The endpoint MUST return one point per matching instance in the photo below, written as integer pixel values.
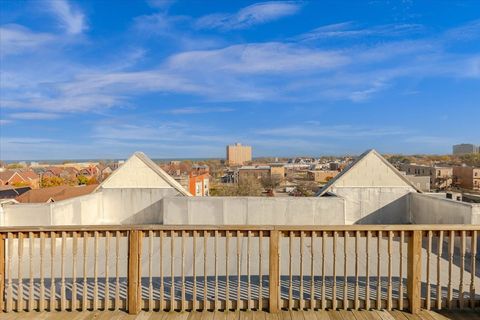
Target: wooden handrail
(356, 227)
(328, 243)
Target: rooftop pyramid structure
(370, 169)
(139, 171)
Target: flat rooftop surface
(248, 315)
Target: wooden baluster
(85, 287)
(194, 271)
(290, 277)
(106, 298)
(429, 250)
(117, 270)
(238, 271)
(74, 269)
(334, 289)
(183, 271)
(324, 243)
(379, 278)
(227, 284)
(249, 283)
(345, 274)
(274, 271)
(3, 276)
(134, 298)
(9, 306)
(205, 288)
(357, 267)
(312, 271)
(415, 271)
(439, 260)
(390, 285)
(215, 249)
(473, 268)
(451, 249)
(62, 271)
(260, 276)
(42, 272)
(400, 281)
(172, 270)
(300, 295)
(162, 280)
(462, 269)
(19, 272)
(95, 270)
(31, 291)
(52, 271)
(367, 271)
(150, 270)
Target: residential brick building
(467, 177)
(441, 177)
(321, 176)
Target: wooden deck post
(134, 271)
(274, 270)
(2, 271)
(414, 265)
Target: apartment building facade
(441, 177)
(238, 154)
(467, 177)
(321, 176)
(465, 148)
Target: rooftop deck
(249, 315)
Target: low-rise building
(321, 176)
(19, 178)
(441, 177)
(421, 182)
(53, 194)
(199, 183)
(466, 177)
(257, 172)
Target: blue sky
(183, 79)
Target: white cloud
(34, 116)
(70, 18)
(197, 110)
(350, 30)
(270, 57)
(16, 39)
(337, 131)
(255, 14)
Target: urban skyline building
(238, 154)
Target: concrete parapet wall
(375, 205)
(107, 206)
(428, 209)
(253, 211)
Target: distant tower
(238, 154)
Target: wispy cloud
(198, 110)
(351, 30)
(34, 116)
(255, 14)
(15, 39)
(337, 131)
(70, 18)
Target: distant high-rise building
(238, 154)
(465, 148)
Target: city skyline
(182, 80)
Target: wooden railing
(161, 268)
